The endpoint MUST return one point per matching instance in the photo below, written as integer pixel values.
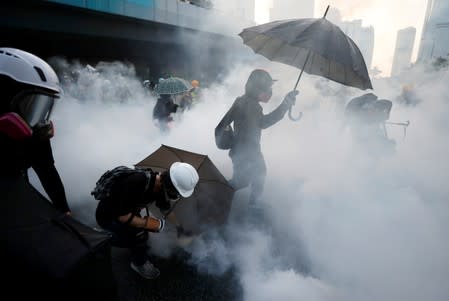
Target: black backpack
(103, 186)
(224, 137)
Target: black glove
(290, 99)
(43, 131)
(182, 232)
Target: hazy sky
(386, 16)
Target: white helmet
(27, 68)
(184, 177)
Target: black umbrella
(315, 45)
(210, 203)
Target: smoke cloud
(335, 223)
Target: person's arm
(44, 166)
(279, 113)
(148, 223)
(53, 186)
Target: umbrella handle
(292, 118)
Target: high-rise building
(288, 9)
(362, 36)
(435, 35)
(404, 48)
(237, 10)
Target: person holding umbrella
(162, 112)
(248, 120)
(167, 89)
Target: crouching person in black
(124, 192)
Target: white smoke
(334, 223)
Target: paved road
(178, 281)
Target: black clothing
(163, 108)
(47, 254)
(17, 156)
(365, 116)
(43, 163)
(248, 162)
(249, 120)
(128, 195)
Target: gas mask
(170, 193)
(30, 114)
(265, 95)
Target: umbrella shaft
(302, 70)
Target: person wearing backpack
(243, 140)
(124, 192)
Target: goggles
(34, 107)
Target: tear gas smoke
(334, 223)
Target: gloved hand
(180, 231)
(43, 131)
(290, 99)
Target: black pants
(124, 236)
(249, 169)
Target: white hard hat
(184, 177)
(29, 69)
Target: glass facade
(172, 12)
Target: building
(435, 35)
(287, 9)
(362, 36)
(243, 10)
(404, 48)
(156, 36)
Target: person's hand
(290, 99)
(180, 231)
(43, 131)
(154, 224)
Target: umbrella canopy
(315, 45)
(211, 201)
(173, 85)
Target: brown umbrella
(210, 203)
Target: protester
(185, 101)
(366, 115)
(195, 92)
(248, 120)
(408, 96)
(162, 112)
(125, 192)
(30, 88)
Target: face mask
(171, 195)
(13, 126)
(265, 96)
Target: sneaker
(147, 270)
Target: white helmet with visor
(41, 84)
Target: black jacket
(16, 157)
(129, 195)
(163, 108)
(247, 115)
